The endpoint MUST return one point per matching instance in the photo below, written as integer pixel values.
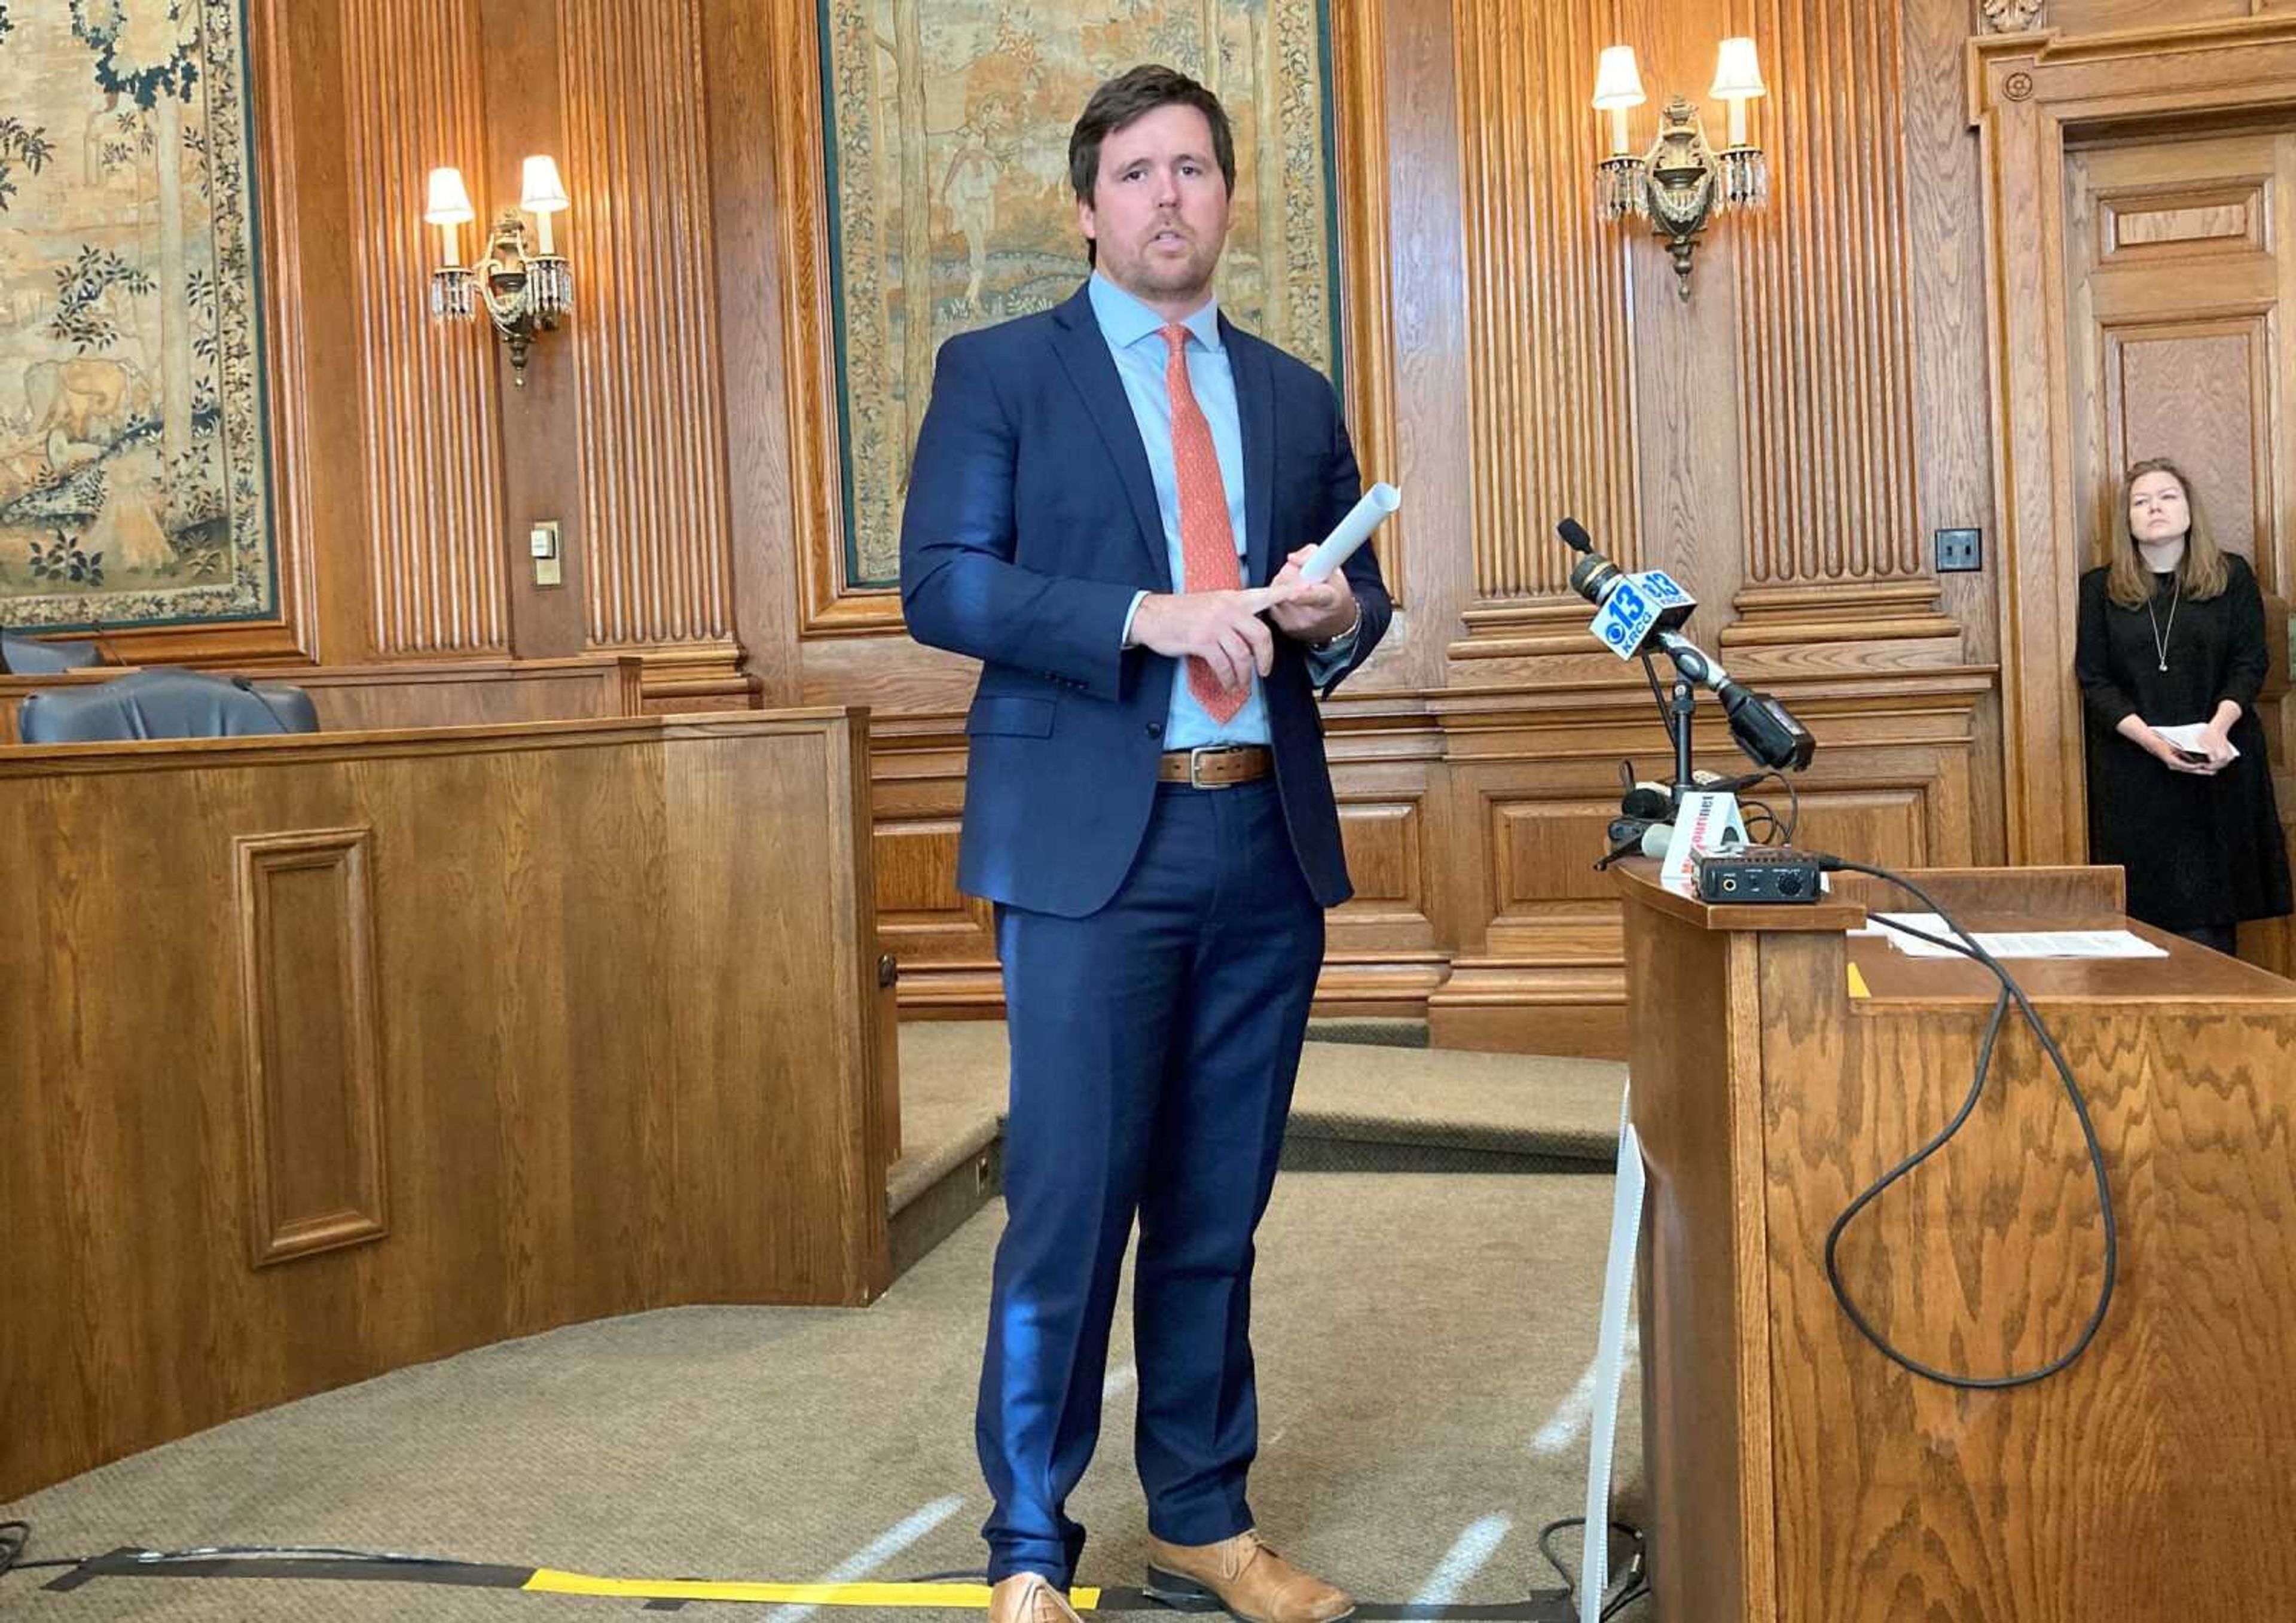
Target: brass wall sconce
(1682, 182)
(527, 289)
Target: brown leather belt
(1216, 766)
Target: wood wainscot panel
(426, 693)
(1388, 946)
(308, 1023)
(622, 1053)
(943, 941)
(1539, 965)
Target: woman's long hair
(2201, 574)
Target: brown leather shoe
(1030, 1597)
(1243, 1576)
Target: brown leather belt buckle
(1227, 764)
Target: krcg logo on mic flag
(1634, 608)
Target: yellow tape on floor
(547, 1581)
(1858, 983)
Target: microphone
(1638, 837)
(1630, 608)
(1636, 611)
(1764, 729)
(95, 631)
(278, 722)
(1650, 802)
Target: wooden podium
(1779, 1065)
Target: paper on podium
(1352, 532)
(2007, 944)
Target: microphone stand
(1679, 712)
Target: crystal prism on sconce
(1682, 182)
(527, 288)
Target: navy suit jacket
(1032, 521)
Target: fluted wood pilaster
(1552, 401)
(1824, 329)
(433, 461)
(657, 562)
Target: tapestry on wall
(133, 487)
(947, 132)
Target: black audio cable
(1968, 946)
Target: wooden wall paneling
(657, 574)
(413, 694)
(1685, 351)
(412, 98)
(944, 940)
(2023, 167)
(2029, 96)
(1945, 275)
(2073, 17)
(309, 1026)
(1434, 445)
(1366, 304)
(1388, 946)
(1557, 399)
(764, 523)
(522, 45)
(1824, 331)
(1539, 966)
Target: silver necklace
(2160, 637)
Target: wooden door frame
(2029, 94)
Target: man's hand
(1316, 612)
(1221, 628)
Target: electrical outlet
(1959, 551)
(542, 543)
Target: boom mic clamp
(1636, 612)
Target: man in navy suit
(1109, 507)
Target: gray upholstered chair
(165, 703)
(30, 657)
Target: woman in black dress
(2172, 632)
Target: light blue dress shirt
(1135, 337)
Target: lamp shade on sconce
(540, 191)
(1737, 72)
(1618, 82)
(541, 194)
(1618, 85)
(449, 202)
(1737, 80)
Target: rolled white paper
(1352, 532)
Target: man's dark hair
(1123, 99)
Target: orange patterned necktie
(1208, 561)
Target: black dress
(2199, 850)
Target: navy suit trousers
(1153, 1048)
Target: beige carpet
(1420, 1341)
